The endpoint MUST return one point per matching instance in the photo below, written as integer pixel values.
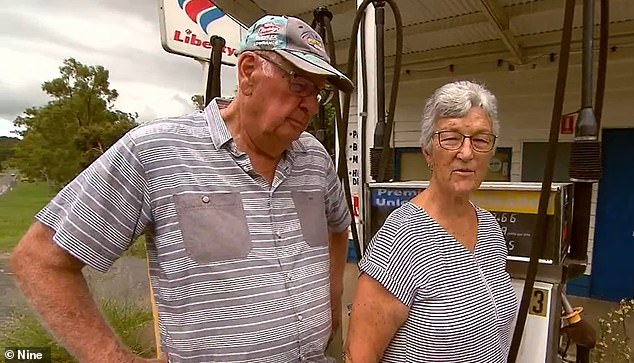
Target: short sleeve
(388, 260)
(337, 212)
(98, 215)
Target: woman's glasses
(452, 140)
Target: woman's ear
(428, 159)
(247, 66)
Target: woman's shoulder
(404, 225)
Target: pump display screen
(517, 227)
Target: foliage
(128, 321)
(137, 249)
(18, 208)
(66, 135)
(7, 146)
(199, 102)
(329, 129)
(613, 345)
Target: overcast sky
(121, 35)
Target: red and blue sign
(201, 12)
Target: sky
(123, 36)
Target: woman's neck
(441, 202)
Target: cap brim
(312, 64)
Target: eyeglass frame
(294, 75)
(470, 137)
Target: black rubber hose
(318, 24)
(342, 135)
(379, 26)
(363, 115)
(604, 34)
(540, 232)
(351, 63)
(215, 64)
(396, 77)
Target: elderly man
(244, 212)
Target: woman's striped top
(462, 304)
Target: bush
(613, 345)
(129, 322)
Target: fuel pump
(565, 253)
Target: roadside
(126, 282)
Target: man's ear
(247, 65)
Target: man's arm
(376, 316)
(52, 281)
(338, 248)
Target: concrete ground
(127, 281)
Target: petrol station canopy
(443, 34)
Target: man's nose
(310, 104)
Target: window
(534, 161)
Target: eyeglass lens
(453, 140)
(304, 87)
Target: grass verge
(132, 324)
(17, 208)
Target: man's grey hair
(267, 68)
(455, 100)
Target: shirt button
(205, 199)
(300, 317)
(289, 276)
(278, 234)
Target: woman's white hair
(455, 100)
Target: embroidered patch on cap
(268, 36)
(269, 28)
(312, 39)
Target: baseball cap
(298, 43)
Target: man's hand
(338, 248)
(335, 310)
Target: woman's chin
(465, 187)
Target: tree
(66, 135)
(328, 127)
(199, 102)
(7, 146)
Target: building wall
(525, 98)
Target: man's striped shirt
(239, 268)
(462, 305)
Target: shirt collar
(218, 130)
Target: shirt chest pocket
(311, 210)
(214, 226)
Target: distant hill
(6, 149)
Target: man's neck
(263, 161)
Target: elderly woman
(433, 284)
